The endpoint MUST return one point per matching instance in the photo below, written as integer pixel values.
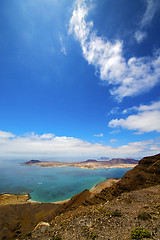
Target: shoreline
(104, 184)
(58, 202)
(90, 166)
(7, 199)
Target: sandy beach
(7, 199)
(100, 186)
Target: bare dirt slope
(112, 220)
(110, 214)
(18, 219)
(145, 174)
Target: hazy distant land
(111, 203)
(88, 164)
(6, 199)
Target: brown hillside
(115, 161)
(113, 220)
(145, 174)
(75, 201)
(19, 219)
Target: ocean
(51, 184)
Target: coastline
(84, 165)
(8, 199)
(58, 202)
(104, 184)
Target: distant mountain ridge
(32, 162)
(143, 175)
(113, 161)
(90, 160)
(88, 164)
(82, 209)
(123, 161)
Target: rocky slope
(18, 219)
(115, 212)
(112, 220)
(31, 162)
(122, 161)
(145, 174)
(110, 214)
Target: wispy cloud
(6, 135)
(140, 36)
(115, 131)
(114, 110)
(113, 140)
(63, 48)
(151, 8)
(50, 146)
(98, 135)
(126, 77)
(153, 106)
(146, 120)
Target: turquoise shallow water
(51, 184)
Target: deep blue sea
(51, 184)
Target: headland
(131, 204)
(88, 164)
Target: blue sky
(79, 78)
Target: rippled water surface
(51, 184)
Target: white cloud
(114, 110)
(151, 107)
(49, 146)
(113, 140)
(63, 48)
(146, 120)
(143, 122)
(151, 8)
(141, 108)
(140, 35)
(126, 77)
(115, 131)
(4, 135)
(98, 135)
(47, 136)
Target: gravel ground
(111, 220)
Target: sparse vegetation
(145, 206)
(107, 219)
(139, 233)
(128, 200)
(57, 238)
(28, 234)
(93, 235)
(102, 209)
(86, 229)
(158, 208)
(116, 213)
(144, 216)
